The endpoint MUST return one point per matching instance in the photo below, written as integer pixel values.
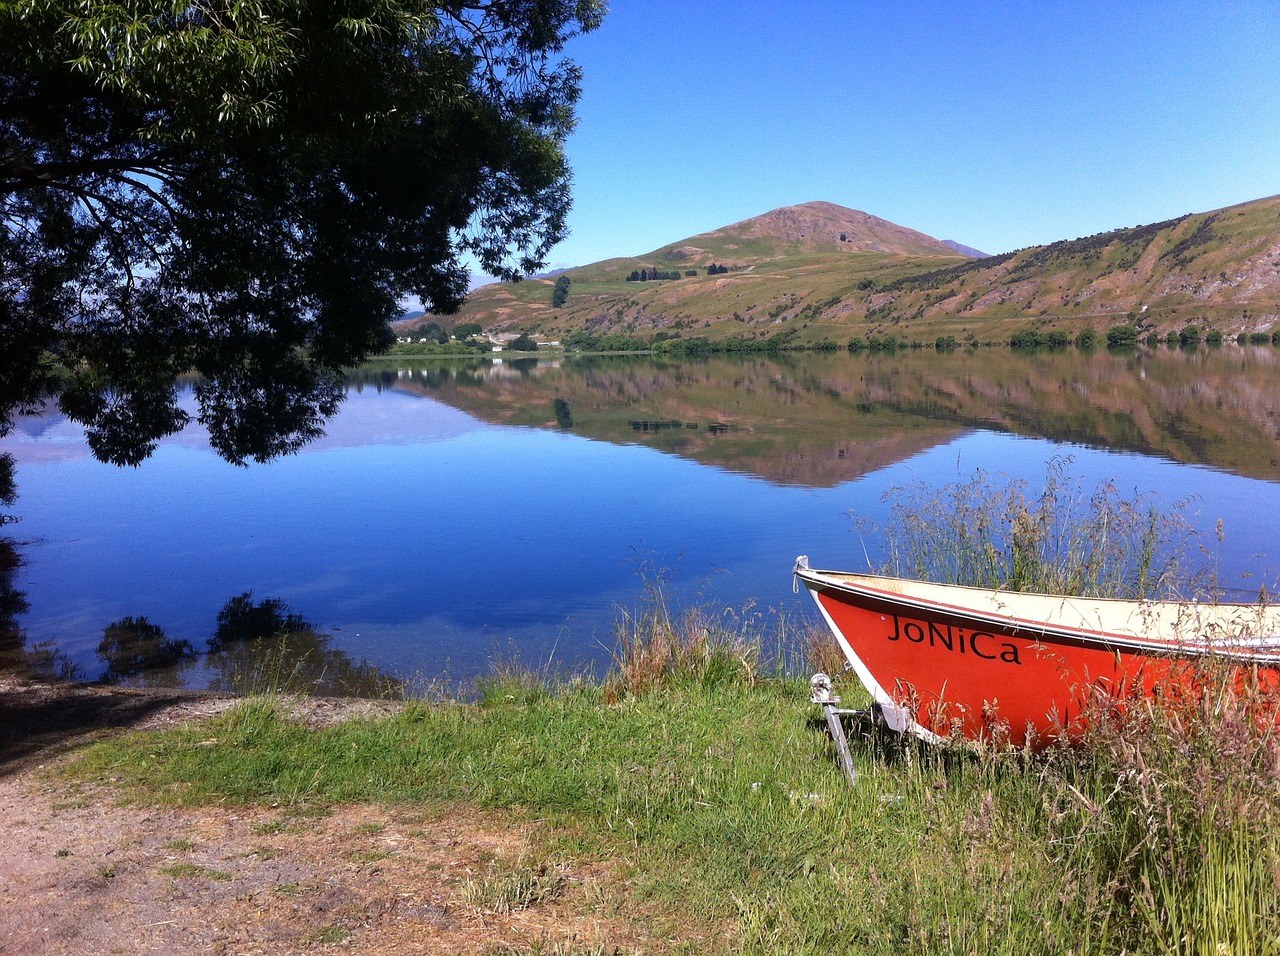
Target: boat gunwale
(1246, 651)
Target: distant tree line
(1117, 338)
(1128, 335)
(669, 343)
(428, 331)
(645, 275)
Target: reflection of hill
(757, 416)
(819, 419)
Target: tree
(248, 188)
(430, 331)
(560, 294)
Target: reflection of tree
(8, 489)
(241, 621)
(264, 647)
(12, 603)
(138, 652)
(42, 660)
(257, 647)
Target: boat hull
(944, 661)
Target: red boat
(942, 660)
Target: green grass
(190, 871)
(722, 806)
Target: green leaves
(249, 188)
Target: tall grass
(1165, 819)
(657, 646)
(1059, 539)
(1190, 828)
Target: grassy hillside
(819, 271)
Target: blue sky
(1000, 125)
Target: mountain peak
(821, 226)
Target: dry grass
(655, 649)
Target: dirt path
(80, 873)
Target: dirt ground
(81, 872)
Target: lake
(459, 512)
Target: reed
(656, 647)
(1058, 539)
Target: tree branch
(17, 177)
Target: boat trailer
(820, 693)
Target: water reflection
(42, 660)
(12, 603)
(256, 647)
(820, 419)
(139, 654)
(265, 645)
(422, 532)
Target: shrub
(1058, 339)
(1027, 339)
(1122, 336)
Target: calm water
(460, 512)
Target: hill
(807, 228)
(819, 271)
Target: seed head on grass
(654, 650)
(1193, 812)
(819, 651)
(1060, 540)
